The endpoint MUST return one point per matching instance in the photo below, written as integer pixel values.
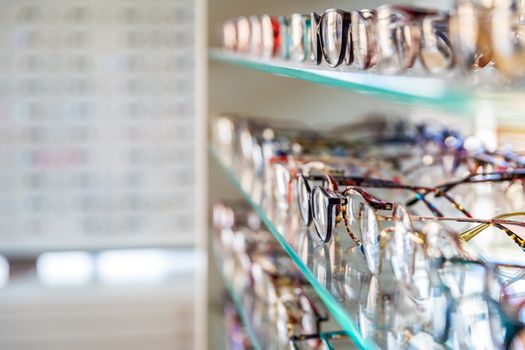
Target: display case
(322, 97)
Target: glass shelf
(343, 285)
(241, 305)
(449, 94)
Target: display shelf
(449, 94)
(240, 307)
(314, 261)
(426, 91)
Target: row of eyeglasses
(285, 309)
(238, 337)
(391, 38)
(333, 184)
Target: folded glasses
(405, 33)
(299, 32)
(284, 40)
(256, 40)
(243, 35)
(331, 37)
(391, 37)
(507, 29)
(470, 34)
(363, 33)
(474, 34)
(271, 36)
(229, 35)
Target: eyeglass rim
(317, 55)
(333, 201)
(368, 17)
(346, 20)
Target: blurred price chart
(97, 126)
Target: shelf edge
(393, 88)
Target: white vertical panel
(98, 124)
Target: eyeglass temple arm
(373, 201)
(442, 191)
(473, 232)
(439, 192)
(487, 177)
(477, 178)
(380, 183)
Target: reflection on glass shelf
(260, 329)
(427, 91)
(244, 300)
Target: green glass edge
(240, 310)
(336, 310)
(453, 100)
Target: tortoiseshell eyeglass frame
(443, 190)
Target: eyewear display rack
(421, 90)
(311, 259)
(307, 93)
(241, 304)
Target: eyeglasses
(331, 37)
(315, 202)
(402, 230)
(507, 28)
(243, 34)
(284, 40)
(357, 209)
(229, 35)
(469, 27)
(475, 316)
(435, 50)
(258, 140)
(406, 33)
(364, 38)
(256, 40)
(474, 34)
(271, 36)
(396, 38)
(314, 169)
(299, 32)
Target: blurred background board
(99, 139)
